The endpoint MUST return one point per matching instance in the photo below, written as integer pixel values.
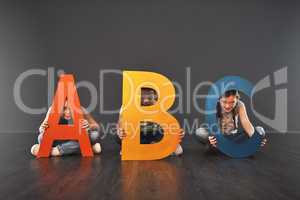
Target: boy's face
(228, 103)
(67, 113)
(148, 97)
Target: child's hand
(212, 141)
(181, 134)
(121, 133)
(43, 127)
(84, 124)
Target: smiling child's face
(148, 97)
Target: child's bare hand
(263, 142)
(181, 134)
(84, 124)
(43, 127)
(212, 141)
(121, 133)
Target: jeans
(70, 146)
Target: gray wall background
(214, 38)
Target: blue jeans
(72, 147)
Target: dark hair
(146, 92)
(229, 93)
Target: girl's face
(67, 113)
(228, 103)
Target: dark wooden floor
(271, 174)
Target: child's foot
(96, 148)
(35, 149)
(55, 152)
(261, 131)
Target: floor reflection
(60, 177)
(152, 179)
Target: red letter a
(66, 91)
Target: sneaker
(178, 151)
(55, 152)
(261, 131)
(35, 149)
(96, 148)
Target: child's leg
(68, 148)
(73, 147)
(40, 137)
(202, 135)
(178, 151)
(242, 137)
(36, 147)
(94, 136)
(64, 148)
(153, 134)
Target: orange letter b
(133, 113)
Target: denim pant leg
(94, 136)
(64, 147)
(73, 147)
(68, 147)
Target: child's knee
(202, 133)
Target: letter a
(66, 91)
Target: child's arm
(91, 121)
(247, 125)
(120, 131)
(45, 124)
